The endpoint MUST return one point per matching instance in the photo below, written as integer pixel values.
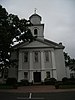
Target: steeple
(37, 28)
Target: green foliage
(67, 86)
(65, 79)
(50, 81)
(11, 81)
(12, 29)
(69, 62)
(5, 86)
(64, 86)
(24, 82)
(57, 85)
(66, 83)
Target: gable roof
(39, 43)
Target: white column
(31, 61)
(42, 61)
(54, 73)
(42, 66)
(53, 60)
(30, 76)
(31, 67)
(20, 75)
(20, 60)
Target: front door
(37, 77)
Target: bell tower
(36, 28)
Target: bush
(57, 85)
(50, 81)
(72, 79)
(11, 81)
(6, 86)
(65, 79)
(68, 81)
(24, 82)
(67, 87)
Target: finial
(35, 10)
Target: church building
(40, 58)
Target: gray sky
(57, 15)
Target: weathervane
(35, 10)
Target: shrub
(65, 79)
(72, 79)
(6, 86)
(57, 85)
(50, 81)
(24, 82)
(11, 81)
(68, 81)
(30, 83)
(46, 81)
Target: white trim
(54, 73)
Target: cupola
(37, 28)
(35, 19)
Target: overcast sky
(57, 15)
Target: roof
(35, 15)
(47, 44)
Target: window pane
(25, 56)
(47, 74)
(25, 75)
(36, 56)
(35, 32)
(47, 55)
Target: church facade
(40, 58)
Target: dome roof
(35, 15)
(35, 19)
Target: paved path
(36, 89)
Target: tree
(19, 29)
(67, 59)
(4, 41)
(69, 62)
(12, 29)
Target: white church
(40, 58)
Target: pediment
(39, 43)
(35, 44)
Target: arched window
(35, 31)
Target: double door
(37, 77)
